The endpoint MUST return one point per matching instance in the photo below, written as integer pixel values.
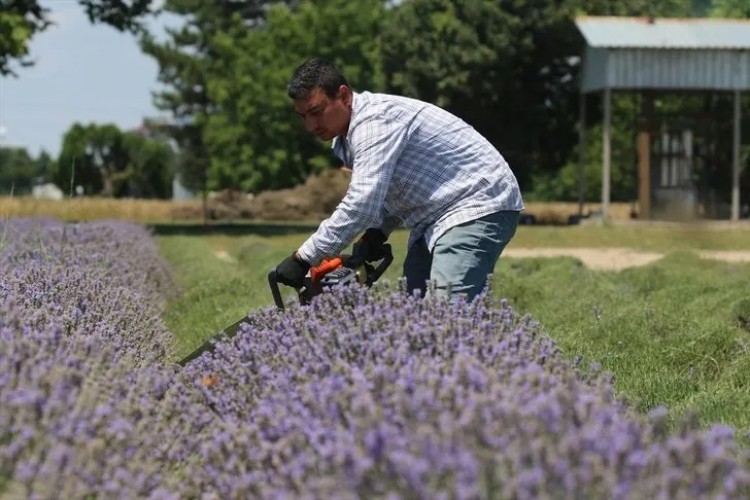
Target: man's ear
(346, 95)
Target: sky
(83, 73)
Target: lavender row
(363, 395)
(83, 359)
(360, 395)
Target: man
(413, 164)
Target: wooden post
(736, 159)
(647, 124)
(606, 151)
(581, 153)
(644, 175)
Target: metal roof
(660, 33)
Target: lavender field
(361, 395)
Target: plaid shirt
(414, 164)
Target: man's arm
(377, 144)
(390, 223)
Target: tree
(90, 157)
(509, 67)
(255, 139)
(505, 67)
(563, 184)
(105, 161)
(21, 20)
(151, 166)
(730, 8)
(19, 171)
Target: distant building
(180, 192)
(677, 155)
(47, 191)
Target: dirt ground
(615, 259)
(599, 259)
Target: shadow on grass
(231, 228)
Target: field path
(600, 259)
(614, 259)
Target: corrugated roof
(661, 33)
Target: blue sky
(83, 73)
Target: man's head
(322, 97)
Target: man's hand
(291, 271)
(370, 245)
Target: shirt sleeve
(376, 144)
(389, 223)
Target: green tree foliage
(510, 68)
(730, 8)
(655, 8)
(19, 171)
(564, 184)
(151, 166)
(21, 20)
(225, 72)
(255, 139)
(91, 157)
(104, 161)
(185, 68)
(505, 67)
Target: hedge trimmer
(340, 270)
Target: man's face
(326, 117)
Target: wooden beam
(644, 175)
(647, 129)
(581, 153)
(606, 151)
(736, 159)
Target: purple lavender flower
(365, 393)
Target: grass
(674, 333)
(656, 237)
(668, 331)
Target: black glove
(370, 246)
(291, 271)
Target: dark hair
(315, 72)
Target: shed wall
(673, 69)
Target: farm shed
(653, 57)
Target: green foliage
(19, 171)
(563, 185)
(505, 67)
(91, 156)
(123, 15)
(107, 162)
(730, 8)
(216, 292)
(255, 139)
(183, 61)
(656, 8)
(21, 20)
(151, 166)
(510, 68)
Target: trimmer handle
(273, 282)
(384, 263)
